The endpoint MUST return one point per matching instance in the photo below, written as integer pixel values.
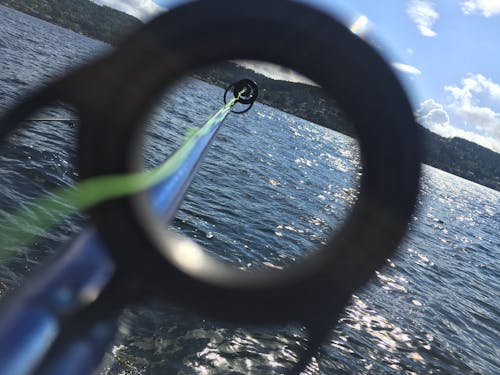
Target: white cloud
(466, 102)
(433, 115)
(432, 112)
(449, 131)
(142, 9)
(466, 105)
(405, 68)
(423, 14)
(487, 8)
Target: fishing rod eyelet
(346, 67)
(244, 91)
(350, 71)
(116, 94)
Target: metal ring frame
(249, 97)
(188, 38)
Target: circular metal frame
(312, 43)
(249, 96)
(193, 36)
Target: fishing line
(44, 212)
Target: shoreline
(453, 155)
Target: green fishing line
(20, 228)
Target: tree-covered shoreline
(82, 16)
(454, 155)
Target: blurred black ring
(299, 37)
(249, 96)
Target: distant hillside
(82, 16)
(462, 158)
(456, 155)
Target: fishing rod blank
(74, 278)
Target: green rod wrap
(23, 226)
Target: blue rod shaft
(30, 319)
(167, 196)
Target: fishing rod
(46, 211)
(56, 282)
(138, 258)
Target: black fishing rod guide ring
(299, 37)
(249, 95)
(184, 40)
(115, 95)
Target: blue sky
(453, 46)
(446, 52)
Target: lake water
(272, 187)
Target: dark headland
(454, 155)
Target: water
(272, 186)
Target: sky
(445, 52)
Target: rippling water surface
(272, 187)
